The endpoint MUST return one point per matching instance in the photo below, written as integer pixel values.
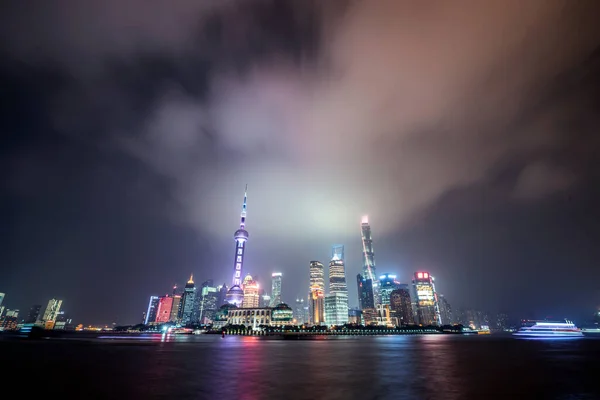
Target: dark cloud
(390, 108)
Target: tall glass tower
(235, 294)
(187, 302)
(368, 271)
(317, 293)
(276, 288)
(337, 271)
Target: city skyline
(468, 135)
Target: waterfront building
(188, 300)
(369, 269)
(63, 322)
(355, 316)
(175, 309)
(336, 309)
(365, 292)
(383, 315)
(276, 288)
(387, 284)
(254, 317)
(251, 297)
(299, 313)
(424, 299)
(400, 306)
(50, 314)
(282, 315)
(316, 292)
(369, 316)
(445, 310)
(209, 298)
(163, 312)
(235, 294)
(152, 311)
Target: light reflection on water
(380, 367)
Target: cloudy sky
(466, 130)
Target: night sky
(466, 130)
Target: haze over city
(466, 131)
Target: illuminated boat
(550, 330)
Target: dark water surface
(247, 368)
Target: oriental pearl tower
(235, 294)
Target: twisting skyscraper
(235, 295)
(369, 257)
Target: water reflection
(379, 367)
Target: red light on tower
(419, 275)
(425, 275)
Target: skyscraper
(235, 295)
(163, 311)
(336, 308)
(369, 271)
(337, 272)
(387, 284)
(336, 303)
(445, 310)
(400, 306)
(251, 296)
(299, 312)
(187, 302)
(209, 299)
(317, 292)
(152, 310)
(2, 298)
(276, 288)
(424, 299)
(365, 292)
(51, 312)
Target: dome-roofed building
(282, 314)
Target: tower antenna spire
(243, 215)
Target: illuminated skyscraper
(152, 310)
(251, 296)
(369, 271)
(299, 312)
(337, 272)
(336, 308)
(365, 292)
(50, 314)
(336, 302)
(209, 299)
(387, 283)
(187, 302)
(445, 310)
(235, 295)
(1, 298)
(163, 312)
(276, 288)
(317, 293)
(424, 300)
